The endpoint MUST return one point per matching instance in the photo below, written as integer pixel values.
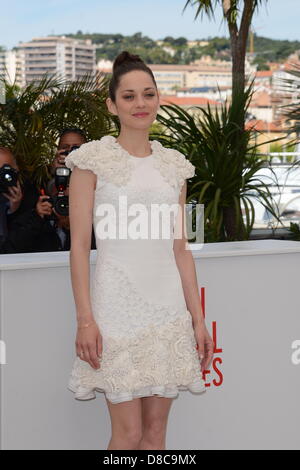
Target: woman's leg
(126, 424)
(155, 412)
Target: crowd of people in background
(29, 221)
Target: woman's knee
(155, 428)
(131, 434)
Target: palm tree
(238, 15)
(32, 118)
(226, 162)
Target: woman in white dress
(141, 333)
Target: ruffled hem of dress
(167, 391)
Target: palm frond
(32, 118)
(204, 7)
(226, 160)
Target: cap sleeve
(185, 169)
(85, 157)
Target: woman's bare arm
(187, 270)
(81, 202)
(186, 265)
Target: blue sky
(23, 20)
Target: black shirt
(28, 232)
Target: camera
(61, 202)
(8, 177)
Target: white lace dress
(137, 298)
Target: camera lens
(62, 205)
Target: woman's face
(137, 100)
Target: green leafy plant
(294, 230)
(32, 118)
(226, 160)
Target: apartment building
(171, 77)
(66, 57)
(8, 60)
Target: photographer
(69, 139)
(28, 222)
(22, 209)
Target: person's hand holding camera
(61, 154)
(60, 157)
(15, 196)
(43, 207)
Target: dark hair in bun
(123, 63)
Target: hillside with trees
(172, 50)
(177, 50)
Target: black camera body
(62, 174)
(60, 202)
(8, 177)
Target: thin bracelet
(86, 324)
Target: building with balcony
(65, 57)
(8, 64)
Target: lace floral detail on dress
(112, 141)
(174, 167)
(160, 360)
(112, 163)
(84, 157)
(100, 157)
(110, 278)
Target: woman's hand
(205, 345)
(15, 196)
(89, 344)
